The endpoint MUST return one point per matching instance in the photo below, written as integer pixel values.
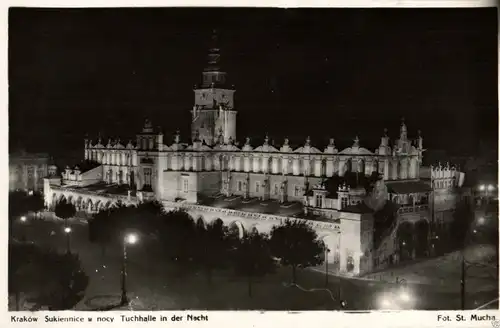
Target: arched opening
(254, 230)
(200, 223)
(90, 205)
(78, 203)
(350, 263)
(98, 205)
(405, 241)
(348, 166)
(361, 167)
(236, 229)
(422, 238)
(332, 251)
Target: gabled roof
(307, 150)
(266, 148)
(355, 151)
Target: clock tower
(213, 114)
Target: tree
(213, 246)
(19, 255)
(63, 279)
(296, 244)
(65, 210)
(178, 237)
(17, 207)
(35, 202)
(46, 277)
(252, 258)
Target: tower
(213, 109)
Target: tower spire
(213, 76)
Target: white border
(229, 318)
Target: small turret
(403, 135)
(177, 137)
(356, 142)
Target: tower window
(297, 191)
(147, 176)
(344, 202)
(319, 201)
(276, 189)
(185, 185)
(257, 186)
(240, 188)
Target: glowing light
(491, 187)
(481, 220)
(67, 230)
(30, 193)
(475, 231)
(385, 302)
(482, 187)
(405, 296)
(131, 239)
(404, 243)
(23, 218)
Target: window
(319, 201)
(185, 185)
(147, 176)
(257, 186)
(276, 189)
(240, 186)
(297, 191)
(344, 202)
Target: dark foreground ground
(155, 284)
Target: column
(329, 167)
(343, 260)
(341, 167)
(296, 166)
(356, 257)
(265, 164)
(318, 167)
(414, 242)
(275, 165)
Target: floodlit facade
(254, 187)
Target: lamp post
(23, 220)
(128, 239)
(67, 230)
(464, 266)
(327, 250)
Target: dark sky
(298, 72)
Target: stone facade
(253, 187)
(27, 170)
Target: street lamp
(129, 239)
(67, 231)
(491, 187)
(481, 220)
(482, 187)
(23, 220)
(327, 250)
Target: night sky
(298, 72)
